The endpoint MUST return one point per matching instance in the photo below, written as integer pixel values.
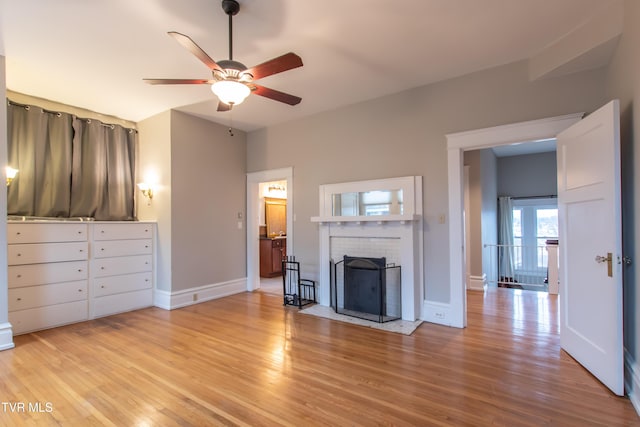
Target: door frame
(457, 144)
(253, 219)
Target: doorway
(457, 144)
(255, 202)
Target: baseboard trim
(436, 312)
(6, 336)
(172, 300)
(632, 380)
(477, 283)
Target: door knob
(609, 260)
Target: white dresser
(48, 274)
(121, 267)
(66, 272)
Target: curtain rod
(59, 114)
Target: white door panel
(590, 226)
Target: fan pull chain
(231, 122)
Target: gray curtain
(69, 167)
(39, 146)
(505, 237)
(102, 184)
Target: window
(534, 222)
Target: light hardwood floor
(247, 360)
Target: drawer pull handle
(79, 232)
(102, 249)
(79, 270)
(18, 233)
(19, 254)
(81, 250)
(146, 246)
(101, 268)
(79, 290)
(19, 299)
(101, 286)
(19, 276)
(146, 280)
(102, 231)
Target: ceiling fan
(232, 81)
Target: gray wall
(489, 211)
(528, 175)
(154, 163)
(208, 194)
(484, 208)
(404, 134)
(201, 191)
(623, 82)
(4, 298)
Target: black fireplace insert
(363, 289)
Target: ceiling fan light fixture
(230, 92)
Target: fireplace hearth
(360, 288)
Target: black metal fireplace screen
(367, 288)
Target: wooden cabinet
(271, 253)
(64, 272)
(275, 216)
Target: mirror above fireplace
(367, 203)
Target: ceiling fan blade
(275, 95)
(192, 47)
(282, 63)
(223, 107)
(177, 81)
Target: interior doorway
(256, 219)
(457, 144)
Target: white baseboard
(172, 300)
(632, 380)
(6, 336)
(477, 283)
(436, 312)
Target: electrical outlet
(195, 297)
(440, 315)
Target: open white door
(591, 244)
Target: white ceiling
(94, 54)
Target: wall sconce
(147, 191)
(11, 173)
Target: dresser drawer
(34, 319)
(39, 296)
(124, 265)
(40, 274)
(122, 231)
(118, 284)
(35, 253)
(111, 248)
(44, 233)
(119, 303)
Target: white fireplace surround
(404, 228)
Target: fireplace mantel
(399, 230)
(381, 219)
